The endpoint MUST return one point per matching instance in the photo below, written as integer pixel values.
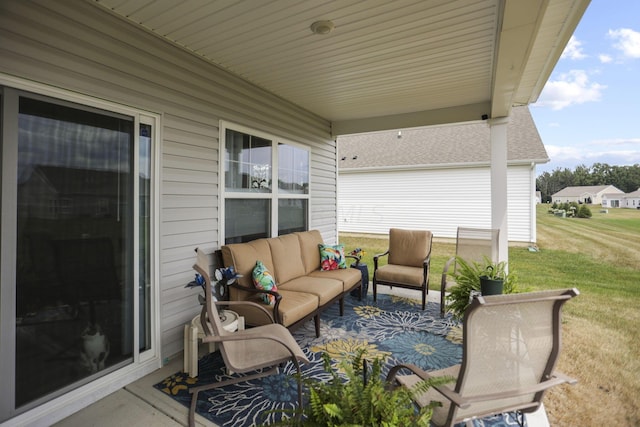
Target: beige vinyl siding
(439, 200)
(79, 47)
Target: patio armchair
(472, 245)
(511, 344)
(266, 346)
(409, 258)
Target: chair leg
(375, 289)
(342, 306)
(316, 320)
(424, 299)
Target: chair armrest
(447, 265)
(445, 273)
(375, 259)
(248, 303)
(554, 380)
(426, 266)
(276, 314)
(444, 390)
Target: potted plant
(492, 278)
(362, 398)
(469, 276)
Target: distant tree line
(626, 178)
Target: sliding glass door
(79, 222)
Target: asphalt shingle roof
(577, 191)
(441, 145)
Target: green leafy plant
(361, 398)
(584, 212)
(467, 277)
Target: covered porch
(178, 80)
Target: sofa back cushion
(287, 258)
(409, 247)
(309, 241)
(243, 256)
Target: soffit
(386, 65)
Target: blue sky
(589, 109)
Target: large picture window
(254, 206)
(82, 270)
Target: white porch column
(498, 131)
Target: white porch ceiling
(387, 64)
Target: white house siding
(439, 200)
(79, 47)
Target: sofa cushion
(294, 306)
(323, 288)
(262, 279)
(243, 256)
(349, 277)
(331, 257)
(287, 258)
(409, 247)
(309, 241)
(411, 276)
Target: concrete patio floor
(140, 404)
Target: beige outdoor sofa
(304, 290)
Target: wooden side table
(231, 322)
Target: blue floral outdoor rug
(393, 328)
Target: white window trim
(275, 193)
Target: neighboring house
(134, 132)
(632, 200)
(622, 200)
(585, 194)
(437, 178)
(538, 196)
(612, 200)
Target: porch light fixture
(322, 27)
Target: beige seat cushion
(293, 307)
(409, 247)
(348, 276)
(412, 276)
(324, 289)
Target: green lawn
(601, 257)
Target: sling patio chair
(262, 347)
(472, 245)
(511, 344)
(409, 258)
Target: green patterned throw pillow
(262, 279)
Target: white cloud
(627, 41)
(604, 58)
(571, 88)
(572, 156)
(573, 50)
(617, 141)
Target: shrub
(584, 212)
